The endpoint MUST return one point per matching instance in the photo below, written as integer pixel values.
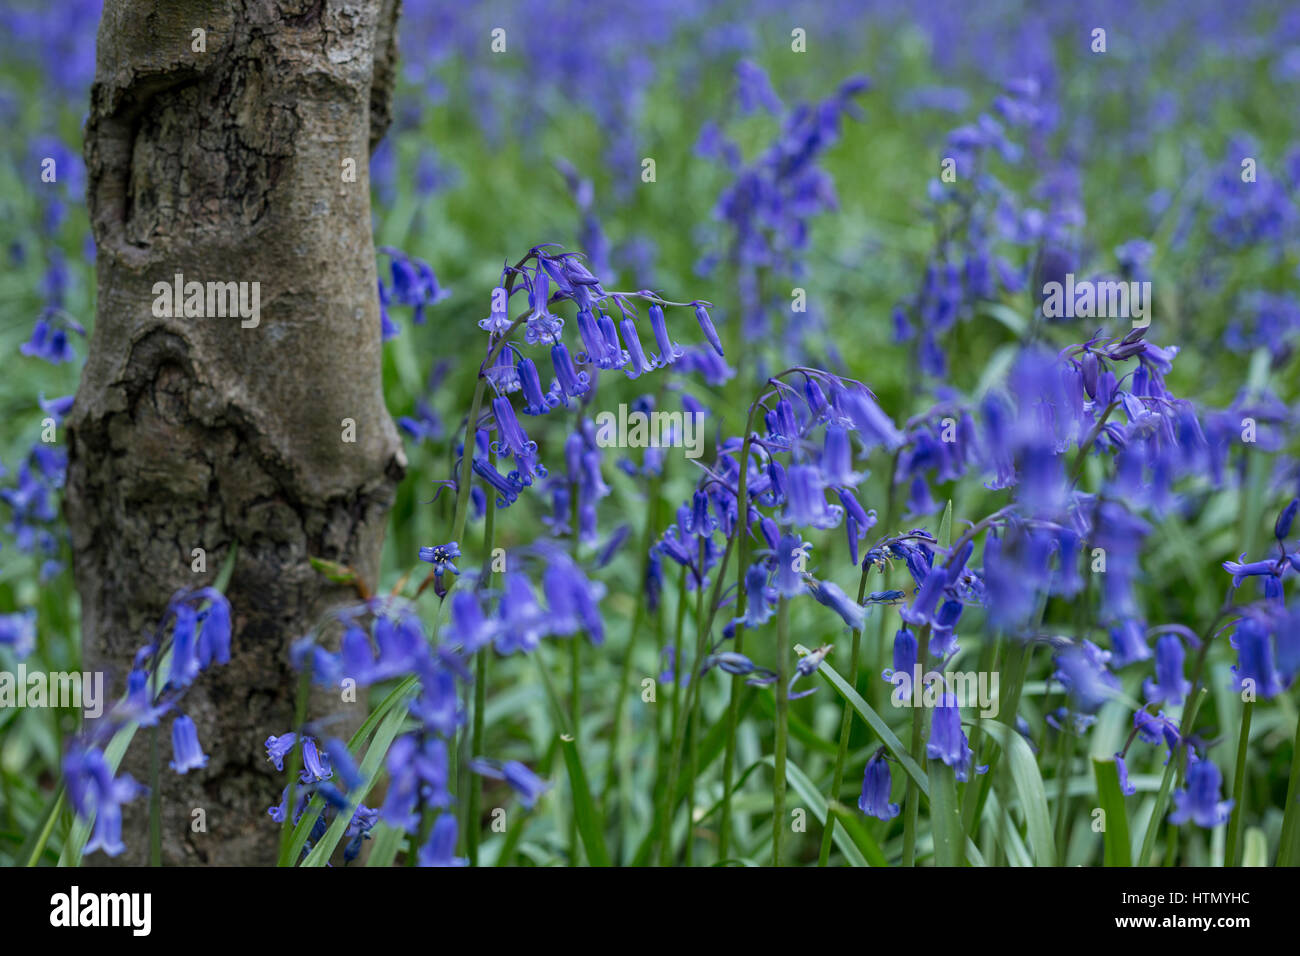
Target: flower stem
(1238, 785)
(782, 725)
(846, 726)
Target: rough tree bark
(228, 165)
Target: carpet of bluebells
(824, 230)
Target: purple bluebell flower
(791, 554)
(536, 401)
(441, 557)
(521, 622)
(637, 364)
(187, 755)
(417, 770)
(441, 848)
(1169, 686)
(1158, 728)
(1199, 801)
(706, 326)
(947, 740)
(277, 748)
(18, 631)
(805, 667)
(876, 785)
(829, 594)
(522, 781)
(905, 660)
(1122, 768)
(740, 666)
(573, 600)
(342, 763)
(669, 351)
(1081, 669)
(469, 627)
(93, 791)
(1255, 659)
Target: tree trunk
(230, 164)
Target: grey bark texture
(227, 166)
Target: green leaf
(590, 826)
(1029, 784)
(387, 841)
(370, 768)
(851, 823)
(945, 527)
(1256, 851)
(1118, 849)
(889, 738)
(945, 814)
(333, 571)
(34, 848)
(301, 830)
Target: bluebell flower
(905, 660)
(498, 321)
(943, 631)
(187, 755)
(788, 581)
(1282, 527)
(49, 341)
(1255, 659)
(469, 627)
(523, 781)
(1128, 642)
(760, 596)
(947, 740)
(441, 848)
(669, 351)
(921, 610)
(706, 326)
(277, 748)
(1199, 801)
(739, 665)
(521, 622)
(1081, 669)
(417, 770)
(341, 762)
(1155, 729)
(1240, 571)
(805, 667)
(637, 364)
(506, 487)
(573, 599)
(315, 765)
(876, 785)
(18, 631)
(1122, 768)
(441, 557)
(829, 594)
(806, 505)
(1170, 686)
(94, 792)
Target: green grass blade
(590, 826)
(1256, 848)
(1029, 784)
(34, 848)
(387, 841)
(1118, 850)
(370, 769)
(945, 815)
